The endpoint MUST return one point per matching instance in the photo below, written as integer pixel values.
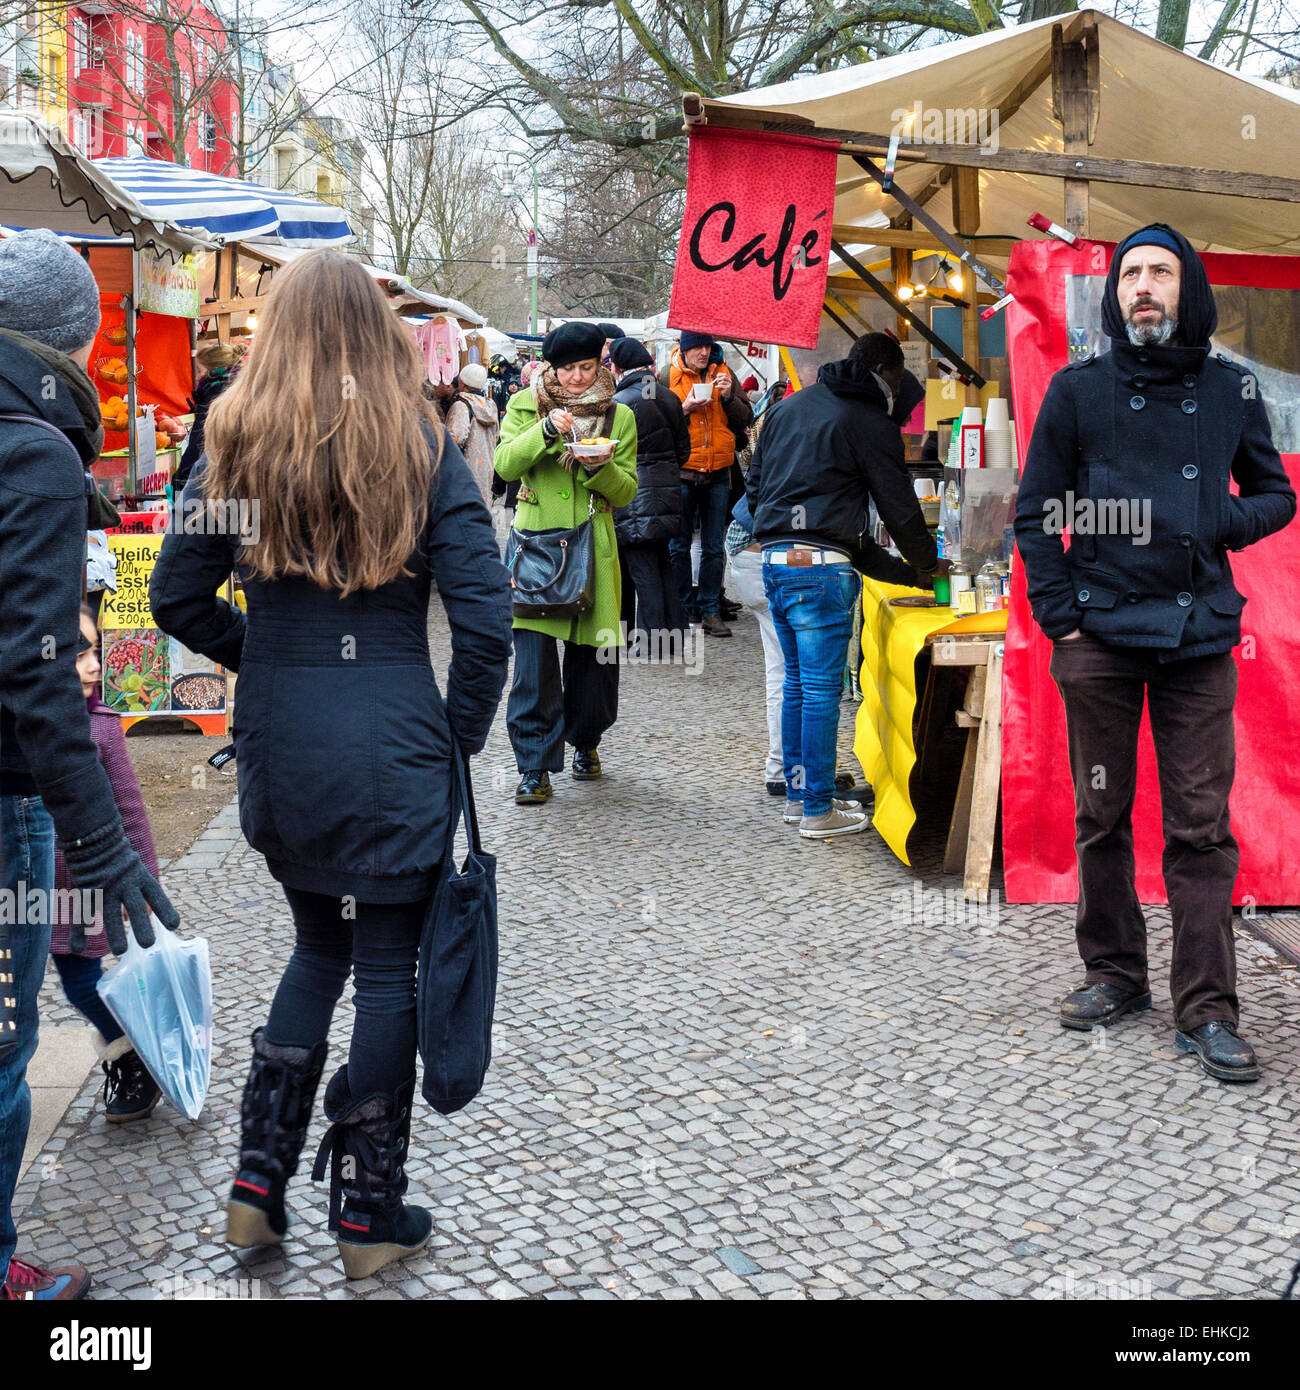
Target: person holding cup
(718, 415)
(554, 702)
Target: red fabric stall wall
(163, 361)
(1037, 799)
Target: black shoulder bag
(553, 572)
(456, 983)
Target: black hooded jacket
(1133, 451)
(823, 454)
(44, 726)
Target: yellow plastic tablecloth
(891, 640)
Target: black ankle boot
(130, 1093)
(274, 1115)
(367, 1143)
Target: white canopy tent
(46, 183)
(1155, 105)
(412, 302)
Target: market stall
(898, 193)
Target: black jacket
(42, 558)
(825, 452)
(1133, 452)
(663, 445)
(205, 393)
(340, 731)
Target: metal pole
(532, 321)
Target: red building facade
(152, 78)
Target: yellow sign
(129, 606)
(944, 400)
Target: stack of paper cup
(997, 435)
(971, 416)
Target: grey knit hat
(47, 291)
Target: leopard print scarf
(588, 407)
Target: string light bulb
(251, 322)
(904, 292)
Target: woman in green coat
(552, 702)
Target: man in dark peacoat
(651, 603)
(1132, 451)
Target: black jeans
(651, 602)
(549, 707)
(379, 944)
(1190, 704)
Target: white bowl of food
(702, 390)
(595, 448)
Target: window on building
(54, 75)
(208, 132)
(85, 130)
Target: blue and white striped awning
(228, 208)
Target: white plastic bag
(162, 997)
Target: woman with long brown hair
(357, 502)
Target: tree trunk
(1041, 9)
(1171, 27)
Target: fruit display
(137, 677)
(116, 336)
(116, 413)
(112, 369)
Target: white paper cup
(702, 391)
(971, 415)
(999, 415)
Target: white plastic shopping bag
(162, 997)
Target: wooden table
(973, 828)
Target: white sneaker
(834, 823)
(793, 812)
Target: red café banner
(756, 236)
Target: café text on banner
(756, 236)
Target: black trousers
(1190, 705)
(550, 705)
(651, 602)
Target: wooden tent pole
(1076, 96)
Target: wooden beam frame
(911, 240)
(901, 309)
(1048, 164)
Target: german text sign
(756, 236)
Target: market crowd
(636, 493)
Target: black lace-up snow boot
(366, 1143)
(130, 1093)
(274, 1115)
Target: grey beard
(1152, 335)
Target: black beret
(573, 342)
(627, 354)
(611, 330)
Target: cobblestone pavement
(729, 1064)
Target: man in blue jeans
(50, 431)
(823, 454)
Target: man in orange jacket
(717, 414)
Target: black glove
(104, 860)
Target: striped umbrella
(227, 208)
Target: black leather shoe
(533, 789)
(586, 766)
(1100, 1004)
(1224, 1055)
(776, 788)
(845, 782)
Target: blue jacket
(340, 731)
(1133, 451)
